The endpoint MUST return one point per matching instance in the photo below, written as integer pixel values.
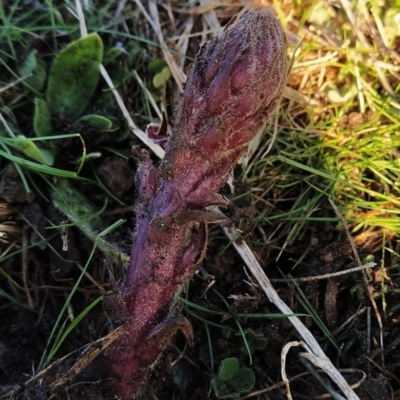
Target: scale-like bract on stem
(236, 82)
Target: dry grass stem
(284, 352)
(327, 276)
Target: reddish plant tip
(236, 82)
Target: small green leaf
(244, 380)
(74, 76)
(36, 68)
(156, 66)
(241, 382)
(38, 79)
(29, 65)
(48, 156)
(229, 367)
(41, 120)
(96, 121)
(162, 77)
(29, 148)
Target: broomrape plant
(235, 84)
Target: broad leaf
(31, 150)
(162, 77)
(96, 121)
(36, 68)
(41, 120)
(74, 77)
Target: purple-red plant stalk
(236, 82)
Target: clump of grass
(340, 139)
